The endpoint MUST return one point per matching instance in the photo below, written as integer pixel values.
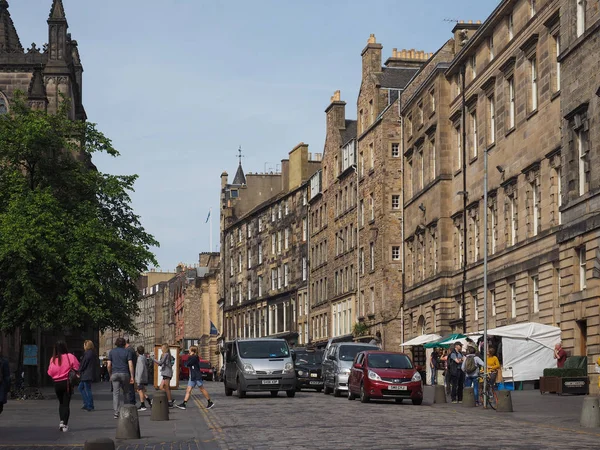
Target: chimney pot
(372, 39)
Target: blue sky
(178, 85)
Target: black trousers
(458, 383)
(63, 394)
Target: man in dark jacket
(131, 350)
(4, 381)
(87, 369)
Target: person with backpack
(457, 376)
(4, 380)
(470, 367)
(59, 369)
(165, 363)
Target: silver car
(337, 364)
(259, 365)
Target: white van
(259, 365)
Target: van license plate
(270, 381)
(397, 388)
(316, 382)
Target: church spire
(57, 33)
(57, 12)
(9, 39)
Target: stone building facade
(579, 237)
(356, 209)
(511, 109)
(264, 234)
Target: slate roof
(350, 132)
(240, 178)
(396, 77)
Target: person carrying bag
(63, 369)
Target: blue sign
(30, 355)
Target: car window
(359, 358)
(348, 352)
(389, 361)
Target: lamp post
(485, 271)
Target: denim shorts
(197, 383)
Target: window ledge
(531, 114)
(371, 171)
(432, 114)
(510, 131)
(473, 159)
(490, 147)
(555, 95)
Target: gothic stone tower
(43, 75)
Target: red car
(383, 375)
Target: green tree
(71, 246)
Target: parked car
(383, 375)
(308, 363)
(259, 365)
(337, 363)
(206, 370)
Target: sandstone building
(356, 209)
(579, 238)
(264, 234)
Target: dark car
(382, 375)
(308, 368)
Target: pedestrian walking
(86, 371)
(195, 380)
(141, 378)
(166, 372)
(4, 380)
(120, 370)
(131, 350)
(470, 367)
(457, 378)
(61, 364)
(433, 365)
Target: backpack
(452, 365)
(470, 364)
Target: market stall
(527, 349)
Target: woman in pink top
(60, 364)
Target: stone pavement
(309, 421)
(34, 424)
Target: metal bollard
(439, 394)
(160, 407)
(590, 413)
(99, 444)
(468, 397)
(504, 402)
(128, 426)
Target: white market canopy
(423, 339)
(527, 348)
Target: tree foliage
(71, 246)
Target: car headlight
(416, 377)
(288, 368)
(300, 373)
(374, 376)
(248, 369)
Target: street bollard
(439, 394)
(590, 413)
(160, 407)
(128, 426)
(504, 401)
(99, 444)
(468, 397)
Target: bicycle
(489, 397)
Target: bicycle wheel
(492, 398)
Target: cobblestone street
(308, 421)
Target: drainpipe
(308, 267)
(464, 195)
(402, 217)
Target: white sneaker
(61, 425)
(65, 428)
